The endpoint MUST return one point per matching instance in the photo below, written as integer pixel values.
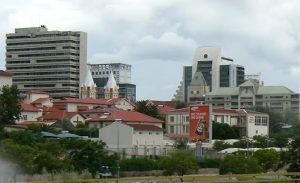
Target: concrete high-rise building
(52, 61)
(217, 71)
(122, 75)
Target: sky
(159, 37)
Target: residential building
(251, 94)
(122, 75)
(5, 78)
(249, 122)
(128, 117)
(52, 61)
(122, 103)
(29, 113)
(132, 139)
(74, 117)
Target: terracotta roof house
(122, 103)
(74, 117)
(29, 113)
(128, 117)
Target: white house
(29, 113)
(132, 139)
(122, 103)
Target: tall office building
(216, 70)
(52, 61)
(122, 75)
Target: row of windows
(44, 73)
(56, 60)
(18, 62)
(45, 54)
(43, 42)
(32, 49)
(42, 85)
(182, 129)
(261, 121)
(47, 79)
(185, 118)
(44, 35)
(105, 67)
(74, 85)
(43, 67)
(104, 72)
(150, 133)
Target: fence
(269, 177)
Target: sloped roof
(39, 101)
(224, 91)
(142, 127)
(88, 80)
(186, 109)
(58, 115)
(198, 80)
(111, 83)
(5, 73)
(126, 116)
(83, 101)
(163, 109)
(273, 90)
(249, 82)
(29, 108)
(236, 111)
(167, 103)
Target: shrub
(210, 163)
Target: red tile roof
(28, 108)
(5, 73)
(177, 135)
(167, 103)
(163, 109)
(39, 101)
(82, 108)
(236, 111)
(83, 101)
(142, 127)
(186, 109)
(58, 115)
(128, 116)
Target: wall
(253, 129)
(147, 138)
(29, 116)
(4, 80)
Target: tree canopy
(224, 131)
(10, 108)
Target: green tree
(293, 156)
(147, 108)
(181, 143)
(10, 107)
(224, 131)
(261, 141)
(219, 145)
(268, 159)
(239, 164)
(180, 162)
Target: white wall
(147, 138)
(34, 96)
(109, 134)
(253, 129)
(29, 116)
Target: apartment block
(52, 61)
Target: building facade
(251, 94)
(52, 61)
(122, 75)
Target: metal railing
(266, 177)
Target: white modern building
(52, 61)
(101, 72)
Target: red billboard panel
(199, 122)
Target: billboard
(199, 122)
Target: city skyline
(158, 38)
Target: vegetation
(209, 163)
(268, 159)
(139, 164)
(180, 162)
(239, 164)
(180, 105)
(292, 157)
(147, 108)
(10, 109)
(219, 145)
(224, 131)
(34, 154)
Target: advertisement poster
(199, 122)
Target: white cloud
(159, 37)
